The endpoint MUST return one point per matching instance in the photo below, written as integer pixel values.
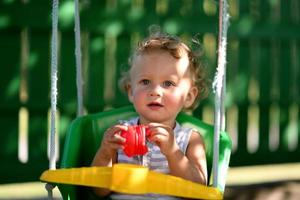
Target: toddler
(164, 78)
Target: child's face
(160, 86)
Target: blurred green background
(262, 71)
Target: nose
(155, 90)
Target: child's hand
(112, 140)
(163, 137)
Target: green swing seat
(85, 134)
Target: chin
(153, 116)
(155, 119)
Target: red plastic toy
(135, 140)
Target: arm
(191, 166)
(106, 155)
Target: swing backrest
(85, 134)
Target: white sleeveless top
(153, 159)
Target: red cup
(135, 140)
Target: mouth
(155, 105)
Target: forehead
(157, 61)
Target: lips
(155, 105)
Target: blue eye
(168, 84)
(145, 82)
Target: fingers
(115, 131)
(160, 127)
(115, 138)
(162, 136)
(158, 132)
(112, 137)
(156, 128)
(157, 139)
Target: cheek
(176, 97)
(138, 95)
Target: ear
(129, 92)
(191, 96)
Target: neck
(170, 124)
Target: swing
(85, 133)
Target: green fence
(263, 71)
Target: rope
(78, 61)
(52, 156)
(219, 84)
(53, 84)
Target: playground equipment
(83, 139)
(86, 132)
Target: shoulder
(189, 132)
(196, 136)
(192, 133)
(196, 143)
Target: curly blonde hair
(176, 48)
